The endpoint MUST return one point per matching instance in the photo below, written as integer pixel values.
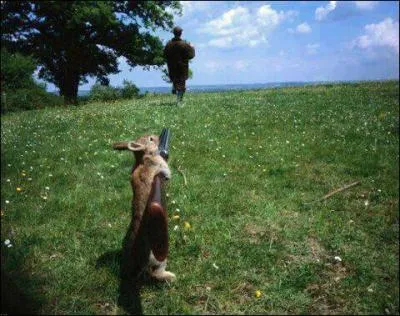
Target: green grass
(256, 162)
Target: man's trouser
(179, 87)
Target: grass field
(257, 164)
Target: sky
(243, 42)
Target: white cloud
(322, 12)
(190, 7)
(312, 49)
(241, 27)
(366, 5)
(191, 10)
(383, 34)
(338, 10)
(223, 42)
(302, 28)
(228, 23)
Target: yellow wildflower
(187, 225)
(257, 293)
(18, 189)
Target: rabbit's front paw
(166, 172)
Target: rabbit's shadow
(129, 292)
(129, 295)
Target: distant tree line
(101, 92)
(72, 40)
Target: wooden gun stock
(157, 224)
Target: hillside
(250, 169)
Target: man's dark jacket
(178, 52)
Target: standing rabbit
(145, 228)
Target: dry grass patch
(258, 233)
(325, 298)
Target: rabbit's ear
(133, 146)
(120, 145)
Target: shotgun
(157, 224)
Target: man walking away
(178, 52)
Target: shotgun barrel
(163, 146)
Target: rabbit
(148, 164)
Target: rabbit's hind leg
(157, 269)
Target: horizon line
(257, 83)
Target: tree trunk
(71, 94)
(70, 87)
(71, 73)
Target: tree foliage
(72, 40)
(19, 91)
(16, 71)
(101, 92)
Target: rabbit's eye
(151, 139)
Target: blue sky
(278, 41)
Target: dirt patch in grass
(257, 233)
(325, 292)
(318, 252)
(314, 253)
(106, 308)
(244, 292)
(325, 298)
(204, 299)
(329, 271)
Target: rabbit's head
(145, 145)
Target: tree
(16, 71)
(71, 40)
(19, 90)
